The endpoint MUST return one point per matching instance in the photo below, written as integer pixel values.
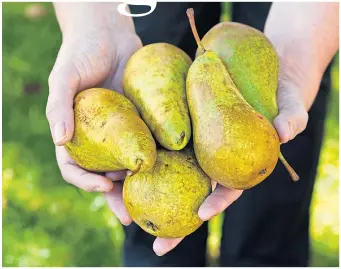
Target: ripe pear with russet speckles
(165, 201)
(251, 61)
(252, 64)
(154, 80)
(234, 144)
(109, 135)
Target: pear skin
(251, 61)
(165, 201)
(235, 145)
(154, 80)
(109, 135)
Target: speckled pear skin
(235, 145)
(251, 61)
(109, 135)
(165, 201)
(154, 80)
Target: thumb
(293, 117)
(63, 85)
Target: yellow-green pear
(109, 135)
(154, 80)
(251, 61)
(252, 64)
(234, 144)
(165, 201)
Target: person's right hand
(88, 58)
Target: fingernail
(204, 213)
(158, 250)
(125, 221)
(123, 215)
(59, 133)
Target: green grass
(46, 222)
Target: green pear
(234, 144)
(109, 135)
(252, 64)
(251, 61)
(154, 80)
(165, 201)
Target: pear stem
(291, 171)
(190, 15)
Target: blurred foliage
(47, 222)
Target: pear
(165, 201)
(251, 61)
(252, 64)
(154, 80)
(234, 144)
(109, 135)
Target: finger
(59, 113)
(115, 202)
(293, 116)
(163, 245)
(289, 124)
(64, 82)
(218, 201)
(116, 176)
(79, 177)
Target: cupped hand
(88, 59)
(291, 120)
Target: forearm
(305, 36)
(76, 17)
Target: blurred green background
(46, 222)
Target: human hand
(88, 57)
(291, 120)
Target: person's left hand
(291, 120)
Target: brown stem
(190, 15)
(291, 171)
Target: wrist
(77, 19)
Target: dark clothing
(269, 224)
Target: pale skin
(98, 41)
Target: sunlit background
(46, 222)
